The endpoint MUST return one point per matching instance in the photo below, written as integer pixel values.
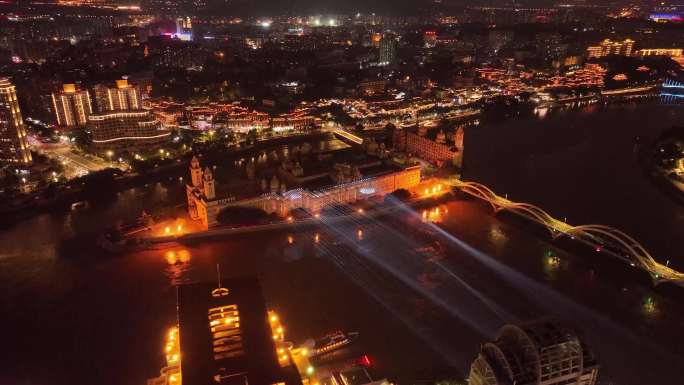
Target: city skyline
(341, 193)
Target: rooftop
(225, 335)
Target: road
(75, 165)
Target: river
(581, 164)
(73, 315)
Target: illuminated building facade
(72, 106)
(542, 352)
(387, 52)
(226, 337)
(295, 121)
(438, 151)
(204, 204)
(671, 52)
(610, 47)
(371, 87)
(125, 130)
(14, 147)
(183, 28)
(123, 96)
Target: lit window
(224, 322)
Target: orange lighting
(69, 88)
(122, 83)
(184, 256)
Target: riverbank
(651, 160)
(37, 203)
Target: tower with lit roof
(72, 106)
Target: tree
(82, 139)
(401, 194)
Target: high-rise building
(184, 28)
(498, 38)
(610, 47)
(72, 106)
(226, 336)
(542, 352)
(123, 96)
(14, 148)
(388, 50)
(125, 131)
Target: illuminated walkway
(348, 135)
(604, 239)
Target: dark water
(72, 315)
(580, 164)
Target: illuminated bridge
(671, 90)
(604, 239)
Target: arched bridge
(604, 239)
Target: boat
(332, 342)
(79, 205)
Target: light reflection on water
(497, 237)
(435, 214)
(552, 265)
(178, 266)
(649, 307)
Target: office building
(123, 96)
(14, 147)
(184, 28)
(226, 336)
(125, 131)
(499, 38)
(72, 106)
(388, 50)
(610, 47)
(542, 352)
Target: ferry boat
(331, 342)
(79, 205)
